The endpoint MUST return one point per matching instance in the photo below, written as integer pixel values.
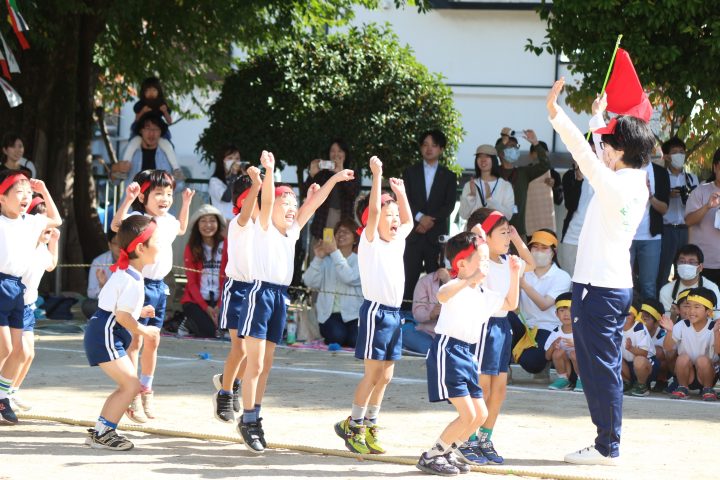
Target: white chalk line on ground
(398, 380)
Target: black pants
(532, 360)
(198, 322)
(421, 255)
(334, 330)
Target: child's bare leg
(232, 363)
(573, 363)
(16, 357)
(560, 361)
(265, 372)
(382, 381)
(255, 355)
(642, 368)
(29, 345)
(148, 356)
(705, 371)
(684, 370)
(133, 350)
(496, 388)
(374, 370)
(122, 372)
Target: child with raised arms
(263, 314)
(19, 233)
(151, 194)
(110, 330)
(452, 366)
(387, 223)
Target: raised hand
(254, 174)
(530, 136)
(187, 195)
(552, 97)
(319, 249)
(101, 276)
(599, 104)
(375, 166)
(37, 185)
(515, 263)
(267, 160)
(473, 187)
(312, 190)
(132, 190)
(344, 175)
(397, 185)
(666, 323)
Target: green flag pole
(607, 75)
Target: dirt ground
(309, 391)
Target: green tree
(674, 45)
(362, 86)
(94, 52)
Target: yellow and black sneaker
(354, 436)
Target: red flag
(625, 95)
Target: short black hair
(705, 293)
(130, 229)
(478, 217)
(542, 144)
(495, 170)
(363, 201)
(671, 143)
(689, 249)
(9, 139)
(634, 138)
(153, 118)
(109, 235)
(242, 183)
(157, 178)
(458, 243)
(437, 136)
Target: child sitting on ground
(560, 347)
(640, 366)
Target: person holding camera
(675, 230)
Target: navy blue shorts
(29, 318)
(696, 385)
(452, 370)
(232, 300)
(379, 332)
(11, 301)
(156, 292)
(493, 350)
(264, 312)
(654, 369)
(105, 339)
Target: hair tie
(123, 260)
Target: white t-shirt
(382, 271)
(168, 228)
(454, 320)
(18, 240)
(553, 283)
(274, 257)
(123, 292)
(643, 230)
(659, 337)
(640, 338)
(41, 260)
(676, 209)
(240, 250)
(573, 232)
(210, 276)
(498, 280)
(693, 343)
(558, 333)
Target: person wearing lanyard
(487, 189)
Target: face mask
(512, 155)
(228, 164)
(542, 259)
(687, 272)
(677, 160)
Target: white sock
(440, 448)
(357, 414)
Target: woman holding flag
(602, 291)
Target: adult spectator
(203, 254)
(418, 334)
(554, 181)
(341, 202)
(13, 150)
(487, 188)
(520, 177)
(99, 274)
(647, 243)
(335, 273)
(675, 231)
(703, 220)
(227, 169)
(688, 265)
(538, 291)
(431, 190)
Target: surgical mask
(687, 272)
(677, 160)
(542, 259)
(512, 155)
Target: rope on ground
(497, 470)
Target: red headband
(490, 221)
(239, 201)
(123, 260)
(144, 186)
(11, 180)
(282, 190)
(462, 255)
(35, 202)
(366, 213)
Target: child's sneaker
(560, 384)
(469, 452)
(455, 462)
(222, 403)
(109, 440)
(250, 433)
(438, 465)
(135, 411)
(488, 451)
(6, 411)
(708, 394)
(218, 381)
(19, 403)
(680, 393)
(671, 387)
(148, 403)
(639, 390)
(371, 439)
(627, 386)
(261, 432)
(89, 436)
(578, 386)
(354, 436)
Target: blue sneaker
(469, 453)
(488, 451)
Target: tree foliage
(362, 86)
(675, 47)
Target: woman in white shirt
(227, 169)
(334, 271)
(487, 188)
(13, 150)
(538, 291)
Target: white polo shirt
(123, 292)
(640, 338)
(613, 214)
(240, 250)
(553, 283)
(40, 261)
(274, 255)
(382, 271)
(693, 343)
(18, 239)
(454, 320)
